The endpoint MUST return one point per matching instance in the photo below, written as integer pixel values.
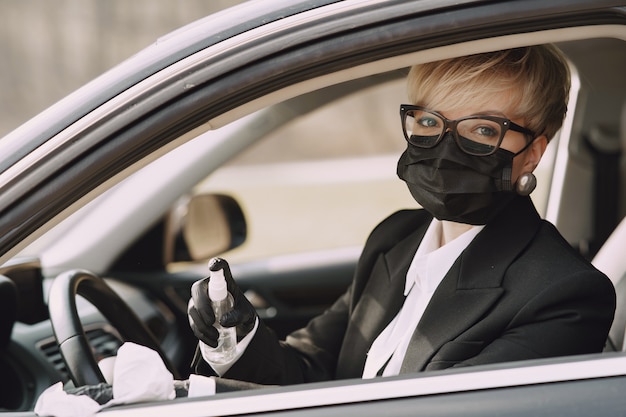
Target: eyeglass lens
(475, 136)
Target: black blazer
(518, 291)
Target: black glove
(101, 393)
(201, 317)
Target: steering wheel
(70, 335)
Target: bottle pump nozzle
(217, 285)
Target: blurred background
(50, 48)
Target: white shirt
(430, 264)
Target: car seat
(611, 259)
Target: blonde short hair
(536, 78)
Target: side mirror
(204, 226)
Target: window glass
(322, 181)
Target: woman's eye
(482, 131)
(427, 122)
(486, 131)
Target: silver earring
(525, 184)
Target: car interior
(585, 199)
(598, 158)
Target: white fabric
(56, 402)
(107, 367)
(430, 264)
(221, 369)
(199, 386)
(139, 374)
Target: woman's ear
(534, 153)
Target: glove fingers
(219, 263)
(207, 334)
(201, 302)
(239, 299)
(243, 314)
(244, 322)
(235, 318)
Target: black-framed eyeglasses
(475, 135)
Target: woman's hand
(201, 317)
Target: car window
(324, 180)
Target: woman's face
(513, 141)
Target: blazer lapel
(473, 283)
(381, 300)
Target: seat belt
(606, 150)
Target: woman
(476, 277)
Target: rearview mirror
(204, 226)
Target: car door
(220, 83)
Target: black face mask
(455, 186)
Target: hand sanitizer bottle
(221, 302)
